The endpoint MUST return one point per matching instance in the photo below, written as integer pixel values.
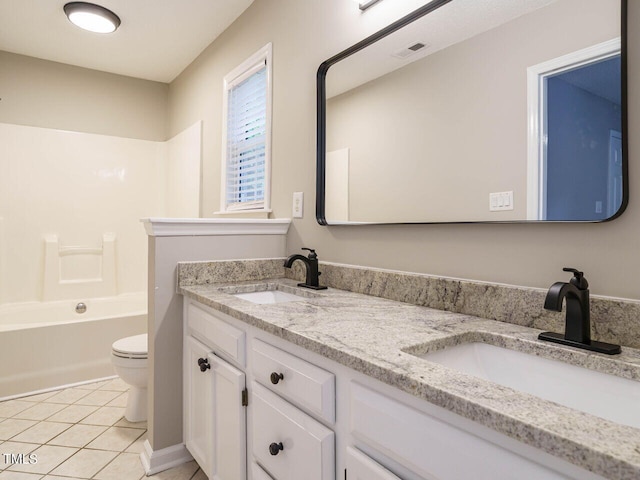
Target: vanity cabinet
(285, 393)
(296, 425)
(214, 399)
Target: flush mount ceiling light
(364, 4)
(92, 17)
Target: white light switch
(298, 204)
(499, 201)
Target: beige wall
(40, 93)
(455, 120)
(306, 33)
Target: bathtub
(48, 344)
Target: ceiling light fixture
(364, 4)
(92, 17)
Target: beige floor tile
(119, 401)
(84, 464)
(17, 447)
(48, 458)
(19, 476)
(68, 396)
(13, 426)
(13, 407)
(77, 435)
(138, 445)
(72, 413)
(98, 397)
(39, 397)
(181, 472)
(116, 439)
(123, 422)
(41, 432)
(56, 477)
(116, 384)
(126, 466)
(39, 411)
(7, 449)
(104, 416)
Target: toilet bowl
(129, 358)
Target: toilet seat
(134, 347)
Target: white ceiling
(156, 40)
(448, 25)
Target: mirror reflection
(485, 111)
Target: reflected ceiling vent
(409, 50)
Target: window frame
(236, 76)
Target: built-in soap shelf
(79, 271)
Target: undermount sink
(606, 396)
(269, 297)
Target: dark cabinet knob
(275, 448)
(204, 364)
(276, 377)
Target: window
(247, 135)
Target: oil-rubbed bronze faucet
(311, 265)
(578, 320)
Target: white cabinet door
(214, 417)
(198, 399)
(361, 467)
(229, 422)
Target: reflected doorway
(575, 152)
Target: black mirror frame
(321, 116)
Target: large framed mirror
(478, 111)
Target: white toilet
(129, 358)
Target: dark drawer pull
(276, 377)
(275, 448)
(204, 364)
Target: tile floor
(76, 433)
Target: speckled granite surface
(612, 320)
(380, 338)
(204, 273)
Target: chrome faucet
(311, 265)
(578, 318)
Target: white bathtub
(48, 344)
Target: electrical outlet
(298, 204)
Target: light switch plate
(499, 201)
(298, 204)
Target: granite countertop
(381, 338)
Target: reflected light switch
(500, 201)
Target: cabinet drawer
(306, 385)
(431, 447)
(361, 467)
(222, 337)
(307, 447)
(257, 473)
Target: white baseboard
(163, 459)
(59, 387)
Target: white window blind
(246, 151)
